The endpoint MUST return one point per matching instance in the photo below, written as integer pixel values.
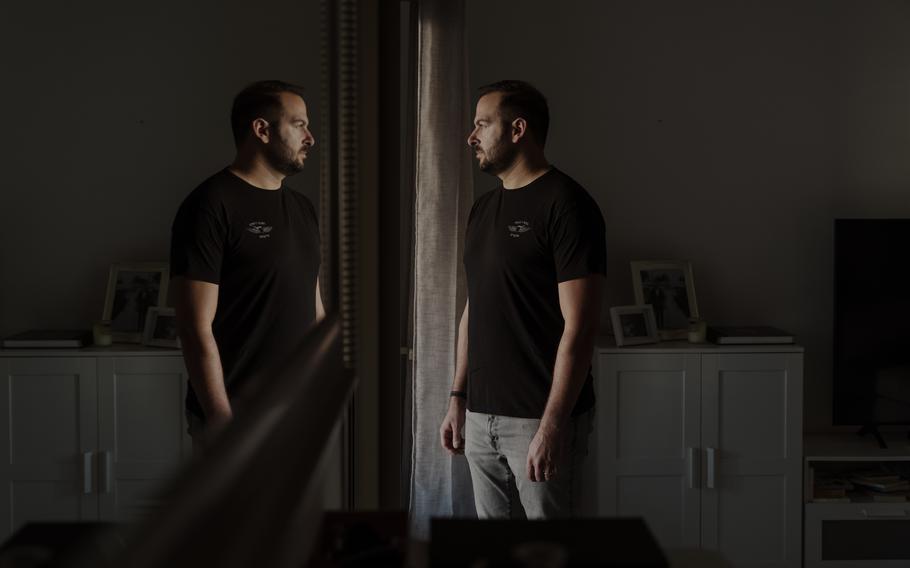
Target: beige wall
(112, 113)
(728, 133)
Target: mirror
(115, 114)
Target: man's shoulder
(217, 185)
(212, 193)
(563, 193)
(563, 186)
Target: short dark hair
(521, 99)
(261, 99)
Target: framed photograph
(634, 325)
(161, 328)
(133, 288)
(667, 286)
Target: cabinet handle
(107, 466)
(711, 463)
(691, 458)
(891, 514)
(86, 473)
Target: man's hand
(544, 453)
(450, 433)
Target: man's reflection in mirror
(245, 257)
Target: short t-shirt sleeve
(578, 240)
(198, 238)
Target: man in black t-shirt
(535, 260)
(245, 257)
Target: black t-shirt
(520, 244)
(262, 249)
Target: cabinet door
(647, 442)
(142, 432)
(752, 420)
(48, 431)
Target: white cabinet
(705, 443)
(48, 427)
(88, 434)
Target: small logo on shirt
(260, 229)
(518, 227)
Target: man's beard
(500, 157)
(284, 158)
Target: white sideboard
(705, 443)
(88, 434)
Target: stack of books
(883, 487)
(831, 490)
(857, 485)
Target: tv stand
(873, 429)
(857, 530)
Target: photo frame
(161, 328)
(667, 286)
(634, 325)
(133, 288)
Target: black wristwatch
(459, 394)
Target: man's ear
(261, 130)
(519, 129)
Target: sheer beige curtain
(440, 485)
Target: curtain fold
(439, 484)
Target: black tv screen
(871, 321)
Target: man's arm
(450, 433)
(320, 308)
(195, 302)
(579, 301)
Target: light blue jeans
(497, 451)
